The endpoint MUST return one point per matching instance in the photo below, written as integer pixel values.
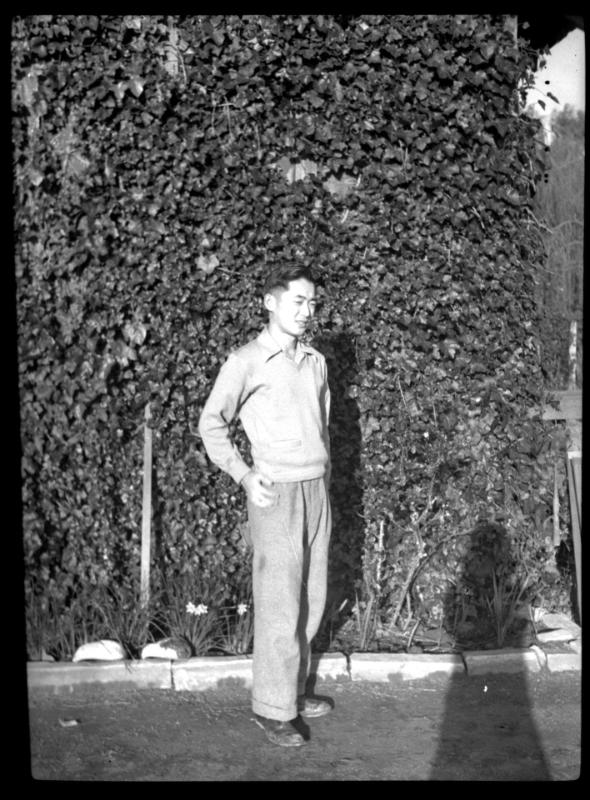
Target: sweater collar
(272, 348)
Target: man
(277, 386)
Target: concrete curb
(202, 673)
(66, 675)
(564, 662)
(330, 666)
(482, 662)
(384, 667)
(196, 674)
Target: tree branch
(567, 222)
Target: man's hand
(259, 489)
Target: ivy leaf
(136, 85)
(135, 332)
(35, 176)
(214, 33)
(119, 90)
(207, 263)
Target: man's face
(292, 309)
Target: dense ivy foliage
(161, 164)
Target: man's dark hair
(280, 276)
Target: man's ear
(270, 301)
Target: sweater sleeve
(220, 409)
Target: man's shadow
(488, 713)
(346, 487)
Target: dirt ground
(496, 727)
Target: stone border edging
(408, 666)
(64, 674)
(195, 674)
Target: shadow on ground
(481, 604)
(488, 731)
(396, 731)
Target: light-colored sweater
(283, 405)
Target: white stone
(559, 621)
(103, 650)
(559, 635)
(166, 648)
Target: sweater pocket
(285, 444)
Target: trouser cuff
(274, 712)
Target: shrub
(161, 163)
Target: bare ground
(496, 727)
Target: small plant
(327, 637)
(198, 626)
(56, 628)
(366, 610)
(504, 604)
(237, 629)
(366, 616)
(188, 610)
(125, 619)
(44, 637)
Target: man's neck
(285, 341)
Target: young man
(278, 387)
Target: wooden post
(146, 528)
(574, 474)
(556, 528)
(573, 355)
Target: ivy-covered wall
(161, 164)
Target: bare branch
(567, 222)
(540, 224)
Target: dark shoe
(312, 706)
(279, 732)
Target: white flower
(242, 609)
(199, 610)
